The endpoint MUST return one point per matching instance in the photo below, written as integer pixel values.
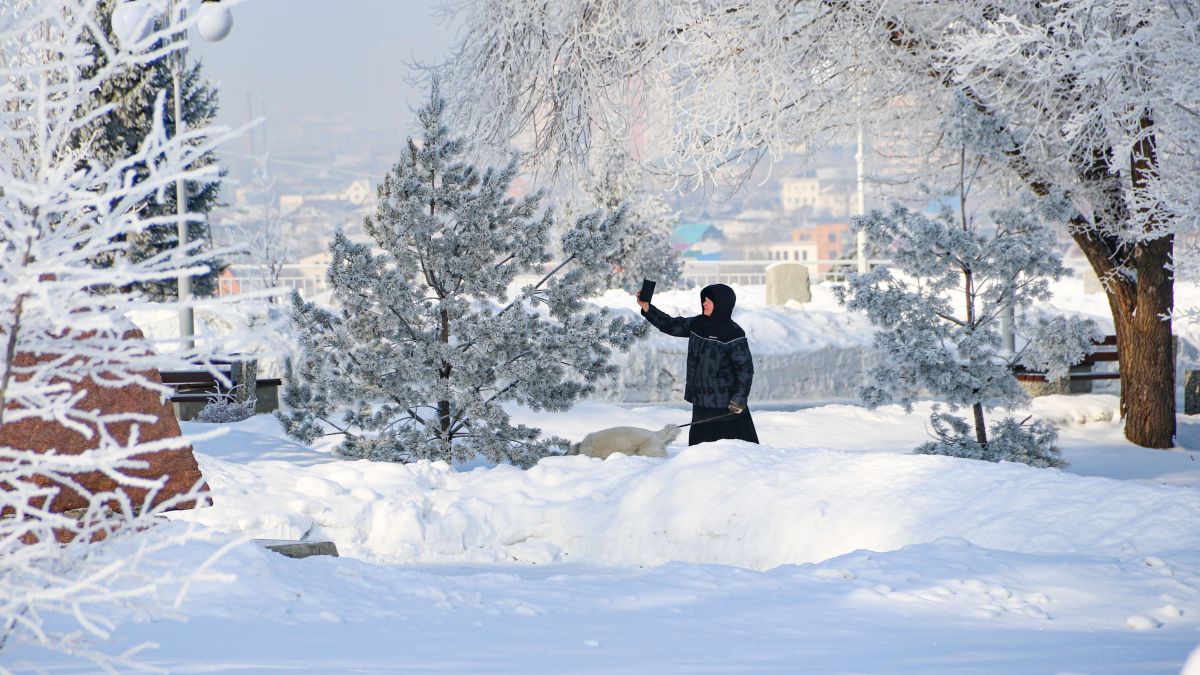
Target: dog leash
(711, 419)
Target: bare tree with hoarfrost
(936, 315)
(1101, 96)
(261, 242)
(644, 252)
(60, 210)
(425, 345)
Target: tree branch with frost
(61, 338)
(1093, 95)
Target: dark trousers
(737, 427)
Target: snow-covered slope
(830, 548)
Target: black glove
(736, 408)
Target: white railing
(309, 280)
(739, 272)
(754, 272)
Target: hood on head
(723, 299)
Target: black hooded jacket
(719, 366)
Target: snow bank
(940, 607)
(729, 502)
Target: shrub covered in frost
(1008, 441)
(226, 407)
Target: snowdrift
(730, 503)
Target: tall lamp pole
(132, 21)
(860, 239)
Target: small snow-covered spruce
(937, 317)
(424, 346)
(645, 251)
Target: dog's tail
(668, 433)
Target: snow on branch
(62, 207)
(1082, 85)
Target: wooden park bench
(1105, 352)
(1083, 373)
(195, 388)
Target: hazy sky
(347, 59)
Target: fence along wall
(309, 280)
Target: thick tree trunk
(1141, 302)
(1144, 341)
(1147, 354)
(1150, 364)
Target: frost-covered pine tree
(63, 577)
(425, 347)
(132, 91)
(644, 251)
(937, 314)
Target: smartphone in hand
(647, 291)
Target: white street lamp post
(187, 319)
(132, 21)
(860, 239)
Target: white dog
(628, 440)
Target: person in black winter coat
(719, 366)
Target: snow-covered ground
(828, 548)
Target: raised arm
(671, 325)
